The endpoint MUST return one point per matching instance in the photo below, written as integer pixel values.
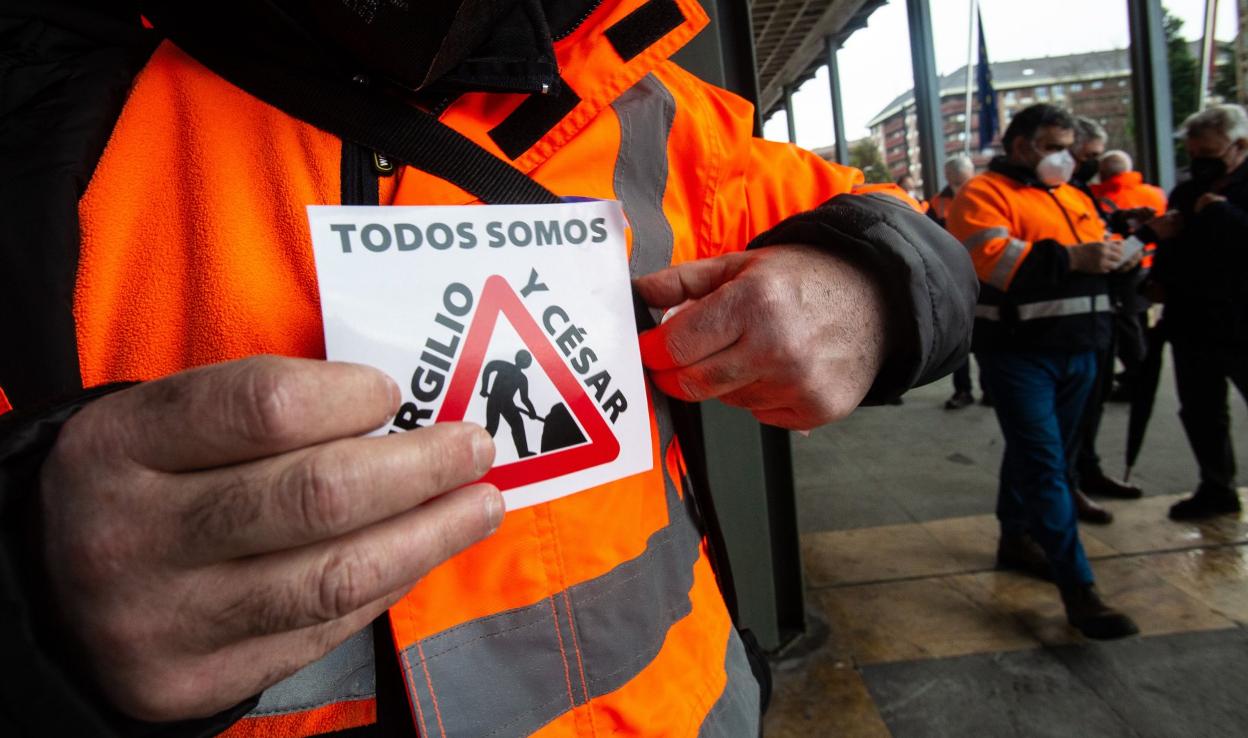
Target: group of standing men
(1063, 266)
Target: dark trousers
(1087, 462)
(962, 378)
(1039, 399)
(1201, 374)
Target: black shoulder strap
(373, 119)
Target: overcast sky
(875, 62)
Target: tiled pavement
(926, 639)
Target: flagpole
(1207, 52)
(970, 57)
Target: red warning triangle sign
(498, 298)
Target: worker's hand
(793, 334)
(208, 534)
(1132, 261)
(1097, 257)
(1167, 226)
(1208, 199)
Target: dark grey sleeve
(929, 283)
(45, 688)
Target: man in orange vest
(1040, 250)
(1131, 202)
(197, 538)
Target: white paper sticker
(515, 317)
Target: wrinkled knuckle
(263, 408)
(320, 491)
(679, 348)
(346, 581)
(690, 387)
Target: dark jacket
(1204, 270)
(63, 80)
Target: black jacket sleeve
(44, 688)
(1046, 267)
(929, 282)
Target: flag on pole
(985, 95)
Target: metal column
(1150, 82)
(838, 111)
(749, 466)
(789, 119)
(926, 96)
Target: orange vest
(1127, 191)
(998, 218)
(595, 614)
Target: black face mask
(412, 42)
(1086, 171)
(1207, 169)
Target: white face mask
(1056, 168)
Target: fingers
(245, 410)
(326, 582)
(718, 375)
(323, 492)
(698, 331)
(689, 281)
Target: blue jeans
(1039, 399)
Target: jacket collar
(1023, 175)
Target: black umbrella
(1144, 394)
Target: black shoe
(1090, 512)
(986, 400)
(1100, 485)
(896, 401)
(1089, 615)
(1205, 504)
(959, 401)
(1021, 553)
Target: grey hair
(1228, 120)
(1087, 129)
(1115, 162)
(959, 163)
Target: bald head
(958, 171)
(1114, 163)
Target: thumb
(689, 281)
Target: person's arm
(981, 219)
(524, 396)
(490, 368)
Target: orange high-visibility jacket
(1127, 191)
(596, 614)
(1017, 231)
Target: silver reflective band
(1014, 250)
(735, 713)
(979, 238)
(345, 674)
(1050, 308)
(594, 637)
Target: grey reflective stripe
(646, 112)
(736, 712)
(563, 651)
(1013, 254)
(1064, 307)
(979, 238)
(988, 312)
(596, 636)
(344, 674)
